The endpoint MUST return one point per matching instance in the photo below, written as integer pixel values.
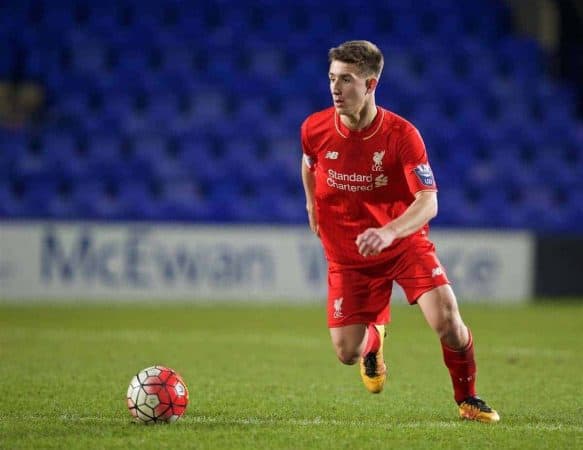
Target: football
(157, 394)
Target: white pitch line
(315, 421)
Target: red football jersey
(364, 179)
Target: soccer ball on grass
(157, 394)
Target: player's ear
(371, 84)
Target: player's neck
(361, 119)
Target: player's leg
(441, 311)
(363, 343)
(425, 282)
(349, 342)
(373, 369)
(356, 313)
(439, 306)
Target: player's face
(349, 90)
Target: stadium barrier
(559, 266)
(98, 261)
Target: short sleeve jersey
(364, 179)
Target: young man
(370, 194)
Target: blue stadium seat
(98, 199)
(14, 18)
(276, 25)
(487, 21)
(42, 63)
(105, 158)
(13, 145)
(34, 163)
(61, 206)
(75, 104)
(453, 205)
(208, 105)
(9, 60)
(268, 62)
(406, 28)
(155, 15)
(137, 200)
(177, 57)
(522, 57)
(62, 154)
(134, 60)
(11, 205)
(148, 156)
(200, 162)
(89, 55)
(37, 195)
(294, 111)
(118, 104)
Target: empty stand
(191, 111)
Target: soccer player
(370, 194)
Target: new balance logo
(331, 155)
(381, 180)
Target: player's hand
(313, 219)
(374, 240)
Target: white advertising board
(94, 261)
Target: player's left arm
(421, 183)
(424, 208)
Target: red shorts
(363, 295)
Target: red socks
(460, 363)
(373, 342)
(462, 369)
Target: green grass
(266, 377)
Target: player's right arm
(309, 178)
(309, 182)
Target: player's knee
(452, 331)
(347, 355)
(348, 343)
(444, 328)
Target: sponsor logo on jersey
(331, 155)
(425, 175)
(381, 180)
(436, 271)
(355, 182)
(377, 159)
(352, 182)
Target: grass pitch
(267, 377)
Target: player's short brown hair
(364, 54)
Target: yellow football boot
(474, 408)
(373, 370)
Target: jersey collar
(363, 134)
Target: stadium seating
(183, 111)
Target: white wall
(50, 260)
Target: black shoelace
(478, 403)
(370, 364)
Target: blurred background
(189, 111)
